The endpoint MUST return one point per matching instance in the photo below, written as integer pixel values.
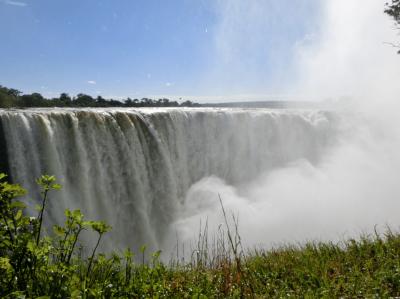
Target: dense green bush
(36, 265)
(31, 264)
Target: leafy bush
(31, 264)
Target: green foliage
(32, 265)
(8, 97)
(100, 227)
(12, 98)
(46, 183)
(55, 268)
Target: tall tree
(8, 97)
(393, 10)
(33, 100)
(84, 100)
(65, 98)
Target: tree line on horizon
(13, 98)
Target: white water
(133, 168)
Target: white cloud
(92, 82)
(15, 3)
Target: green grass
(369, 268)
(33, 265)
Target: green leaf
(18, 295)
(58, 230)
(5, 264)
(77, 215)
(56, 186)
(156, 254)
(47, 182)
(18, 204)
(12, 190)
(67, 213)
(18, 215)
(76, 294)
(31, 246)
(6, 242)
(128, 253)
(100, 227)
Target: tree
(8, 97)
(128, 102)
(65, 98)
(101, 102)
(33, 100)
(14, 92)
(6, 100)
(393, 10)
(84, 100)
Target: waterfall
(133, 167)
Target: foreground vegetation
(34, 265)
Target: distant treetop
(10, 97)
(393, 10)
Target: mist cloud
(350, 54)
(355, 185)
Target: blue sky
(143, 48)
